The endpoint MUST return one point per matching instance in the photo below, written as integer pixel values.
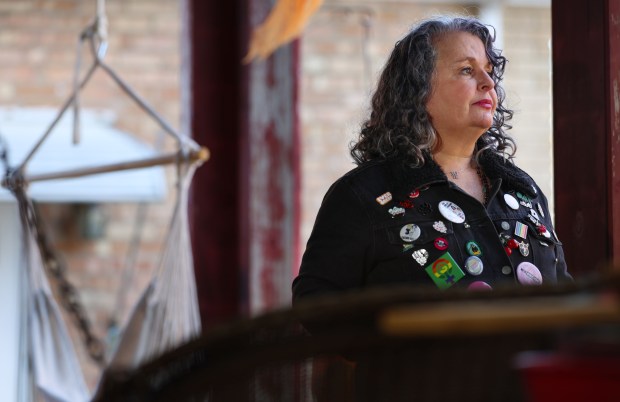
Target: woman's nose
(485, 81)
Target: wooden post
(273, 173)
(613, 111)
(245, 201)
(214, 96)
(586, 107)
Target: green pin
(444, 271)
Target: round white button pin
(529, 274)
(410, 232)
(451, 212)
(474, 265)
(511, 201)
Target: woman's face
(463, 98)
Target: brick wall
(527, 40)
(38, 40)
(343, 51)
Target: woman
(436, 199)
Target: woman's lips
(485, 103)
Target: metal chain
(67, 292)
(68, 295)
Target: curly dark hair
(399, 124)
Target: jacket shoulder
(512, 176)
(361, 186)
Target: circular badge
(474, 265)
(441, 243)
(528, 274)
(505, 225)
(511, 201)
(414, 194)
(473, 248)
(451, 212)
(410, 232)
(479, 285)
(506, 270)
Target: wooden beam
(272, 174)
(613, 111)
(216, 82)
(245, 202)
(584, 194)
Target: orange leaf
(284, 23)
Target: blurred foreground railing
(396, 344)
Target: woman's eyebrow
(472, 60)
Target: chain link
(67, 292)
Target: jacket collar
(406, 179)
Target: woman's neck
(461, 169)
(453, 162)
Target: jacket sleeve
(560, 266)
(561, 269)
(339, 247)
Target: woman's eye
(467, 70)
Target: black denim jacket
(381, 224)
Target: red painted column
(215, 106)
(613, 110)
(586, 103)
(244, 206)
(273, 173)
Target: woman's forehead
(460, 46)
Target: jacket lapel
(405, 178)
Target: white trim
(493, 14)
(511, 3)
(100, 144)
(10, 301)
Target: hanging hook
(97, 34)
(101, 29)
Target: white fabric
(25, 380)
(53, 362)
(167, 314)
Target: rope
(98, 30)
(189, 154)
(96, 33)
(101, 23)
(167, 313)
(129, 268)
